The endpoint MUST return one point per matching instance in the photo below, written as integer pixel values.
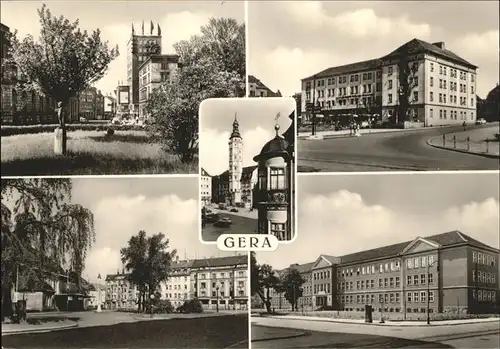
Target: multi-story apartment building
(120, 293)
(257, 89)
(278, 300)
(109, 106)
(139, 48)
(205, 187)
(153, 71)
(88, 104)
(222, 281)
(442, 88)
(452, 271)
(178, 286)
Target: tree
(212, 65)
(262, 279)
(63, 61)
(41, 232)
(292, 285)
(298, 101)
(148, 264)
(407, 79)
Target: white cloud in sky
(118, 218)
(478, 45)
(342, 222)
(214, 148)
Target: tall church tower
(235, 163)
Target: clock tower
(235, 164)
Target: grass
(89, 153)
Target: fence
(466, 143)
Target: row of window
(343, 79)
(484, 295)
(419, 262)
(419, 279)
(453, 114)
(221, 275)
(483, 258)
(277, 178)
(484, 277)
(453, 72)
(387, 298)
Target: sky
(124, 206)
(291, 40)
(343, 214)
(178, 21)
(256, 118)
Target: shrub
(8, 130)
(191, 306)
(164, 306)
(110, 132)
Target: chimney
(439, 44)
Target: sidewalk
(261, 334)
(363, 131)
(27, 328)
(390, 323)
(472, 141)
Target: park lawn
(89, 153)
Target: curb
(371, 133)
(386, 324)
(485, 155)
(296, 335)
(41, 330)
(459, 336)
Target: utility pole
(313, 111)
(429, 265)
(217, 304)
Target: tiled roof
(253, 80)
(181, 264)
(348, 68)
(220, 261)
(301, 268)
(204, 173)
(112, 277)
(419, 46)
(445, 239)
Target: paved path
(217, 332)
(395, 151)
(241, 225)
(473, 140)
(363, 131)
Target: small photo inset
(247, 167)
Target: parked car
(234, 210)
(480, 121)
(223, 222)
(365, 124)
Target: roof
(236, 130)
(112, 277)
(348, 68)
(204, 173)
(181, 264)
(301, 268)
(253, 80)
(451, 238)
(277, 146)
(220, 261)
(416, 46)
(245, 172)
(413, 46)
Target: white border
(257, 100)
(380, 173)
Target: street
(240, 225)
(315, 334)
(405, 150)
(210, 332)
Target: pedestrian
(60, 114)
(464, 124)
(358, 133)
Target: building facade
(442, 88)
(453, 272)
(205, 187)
(154, 71)
(222, 281)
(109, 107)
(278, 300)
(275, 192)
(257, 89)
(139, 48)
(178, 286)
(120, 293)
(88, 104)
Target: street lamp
(294, 299)
(428, 292)
(151, 297)
(217, 295)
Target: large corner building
(452, 271)
(442, 88)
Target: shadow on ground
(313, 339)
(214, 332)
(90, 164)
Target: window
(430, 278)
(432, 67)
(277, 178)
(431, 260)
(408, 280)
(431, 113)
(386, 267)
(409, 263)
(415, 262)
(380, 268)
(431, 296)
(422, 279)
(389, 71)
(415, 279)
(391, 282)
(278, 230)
(389, 98)
(415, 96)
(415, 297)
(389, 86)
(386, 282)
(397, 281)
(431, 96)
(409, 297)
(263, 178)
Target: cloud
(306, 12)
(214, 149)
(117, 218)
(342, 222)
(283, 67)
(181, 26)
(479, 45)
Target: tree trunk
(265, 301)
(6, 302)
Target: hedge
(32, 129)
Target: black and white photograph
(384, 261)
(247, 167)
(404, 86)
(115, 263)
(114, 87)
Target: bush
(8, 130)
(110, 132)
(191, 306)
(164, 306)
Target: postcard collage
(250, 174)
